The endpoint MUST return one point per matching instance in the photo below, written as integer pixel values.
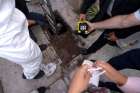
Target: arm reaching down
(112, 73)
(126, 84)
(122, 21)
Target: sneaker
(38, 76)
(42, 47)
(49, 69)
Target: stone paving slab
(11, 76)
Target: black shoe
(38, 76)
(84, 51)
(42, 89)
(42, 47)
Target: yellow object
(82, 27)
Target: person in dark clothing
(33, 18)
(119, 7)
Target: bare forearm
(112, 73)
(109, 23)
(123, 21)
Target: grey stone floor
(10, 74)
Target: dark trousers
(120, 33)
(130, 59)
(40, 20)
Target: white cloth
(137, 14)
(15, 42)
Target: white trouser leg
(32, 68)
(27, 54)
(15, 42)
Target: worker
(16, 44)
(108, 9)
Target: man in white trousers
(15, 42)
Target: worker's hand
(82, 16)
(112, 73)
(91, 27)
(80, 80)
(112, 37)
